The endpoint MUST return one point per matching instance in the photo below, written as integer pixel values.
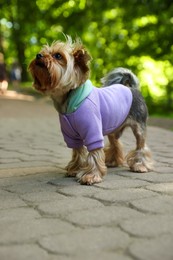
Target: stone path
(44, 215)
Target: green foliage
(137, 34)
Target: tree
(115, 33)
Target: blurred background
(137, 34)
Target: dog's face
(60, 67)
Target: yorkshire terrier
(88, 113)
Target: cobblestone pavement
(46, 216)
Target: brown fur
(114, 152)
(77, 161)
(94, 168)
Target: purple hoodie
(100, 113)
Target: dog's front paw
(77, 162)
(88, 178)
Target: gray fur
(121, 76)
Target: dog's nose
(39, 56)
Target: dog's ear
(81, 57)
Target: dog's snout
(39, 56)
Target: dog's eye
(57, 56)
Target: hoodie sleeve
(87, 121)
(71, 136)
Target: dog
(88, 113)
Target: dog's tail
(121, 76)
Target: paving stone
(112, 183)
(8, 161)
(70, 187)
(21, 252)
(38, 158)
(37, 173)
(65, 206)
(9, 200)
(91, 255)
(5, 194)
(63, 182)
(158, 248)
(47, 216)
(102, 256)
(29, 187)
(27, 164)
(25, 231)
(159, 204)
(88, 240)
(35, 198)
(152, 177)
(109, 216)
(149, 226)
(10, 154)
(124, 195)
(18, 214)
(165, 169)
(159, 178)
(164, 188)
(166, 159)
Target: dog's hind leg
(113, 152)
(140, 160)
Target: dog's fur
(64, 66)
